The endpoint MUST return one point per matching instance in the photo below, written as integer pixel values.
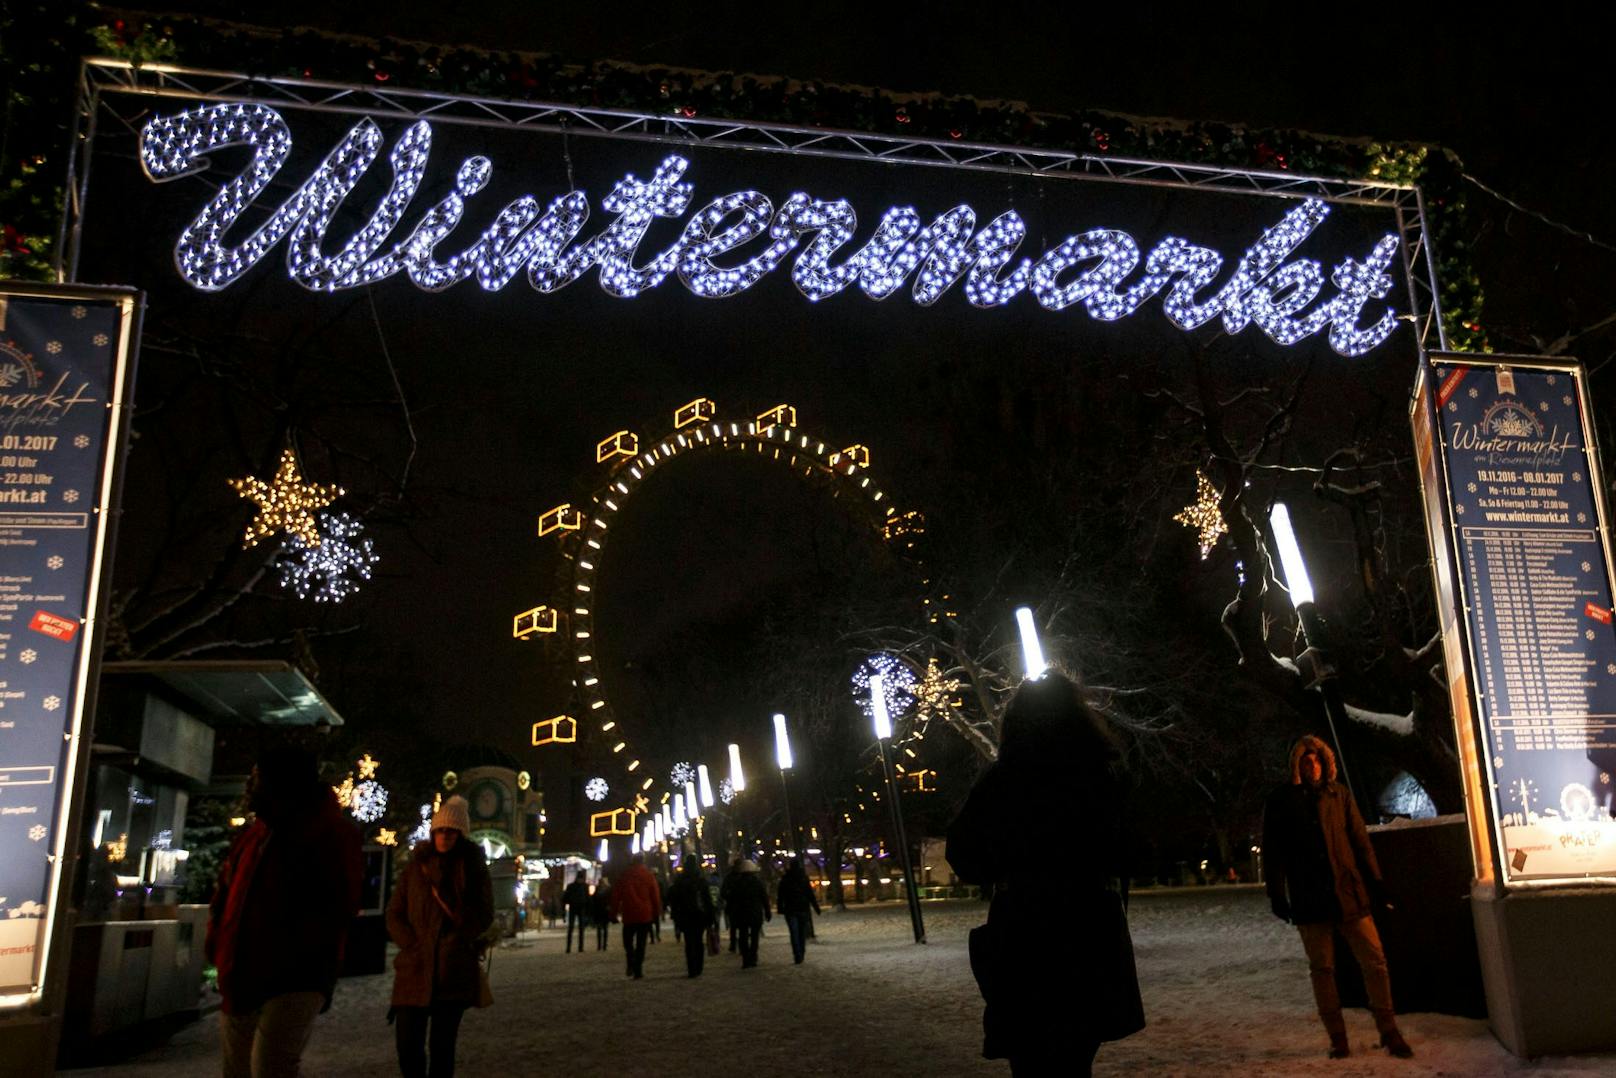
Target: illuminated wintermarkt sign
(1289, 299)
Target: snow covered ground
(1226, 992)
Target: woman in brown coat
(438, 916)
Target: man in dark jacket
(287, 892)
(1322, 877)
(797, 905)
(748, 906)
(691, 904)
(576, 899)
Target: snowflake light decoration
(681, 773)
(898, 683)
(36, 833)
(54, 562)
(596, 789)
(332, 569)
(70, 496)
(100, 340)
(1204, 516)
(53, 347)
(285, 503)
(82, 441)
(51, 703)
(28, 655)
(369, 801)
(423, 830)
(726, 791)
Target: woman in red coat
(439, 917)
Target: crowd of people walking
(289, 887)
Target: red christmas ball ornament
(688, 112)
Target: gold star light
(367, 766)
(1204, 516)
(384, 837)
(285, 503)
(934, 692)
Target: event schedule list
(1534, 565)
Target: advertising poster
(62, 364)
(1533, 567)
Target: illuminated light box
(781, 415)
(615, 822)
(856, 455)
(563, 518)
(911, 523)
(699, 410)
(541, 619)
(561, 730)
(625, 443)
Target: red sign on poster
(53, 626)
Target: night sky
(509, 392)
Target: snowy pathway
(1225, 986)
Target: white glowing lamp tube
(648, 839)
(737, 777)
(634, 845)
(661, 826)
(1290, 556)
(782, 743)
(692, 805)
(680, 820)
(878, 707)
(706, 786)
(1032, 651)
(605, 852)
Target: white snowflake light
(681, 773)
(423, 830)
(369, 801)
(28, 655)
(726, 791)
(332, 571)
(596, 789)
(51, 703)
(1091, 268)
(897, 680)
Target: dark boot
(1339, 1048)
(1392, 1040)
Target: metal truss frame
(102, 80)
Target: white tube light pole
(707, 800)
(1300, 586)
(737, 777)
(782, 755)
(1032, 652)
(883, 733)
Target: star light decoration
(542, 237)
(935, 693)
(1204, 516)
(596, 789)
(897, 680)
(384, 837)
(285, 503)
(331, 569)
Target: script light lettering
(1099, 269)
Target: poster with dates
(62, 364)
(1534, 571)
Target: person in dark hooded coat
(439, 916)
(691, 904)
(1054, 961)
(1323, 878)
